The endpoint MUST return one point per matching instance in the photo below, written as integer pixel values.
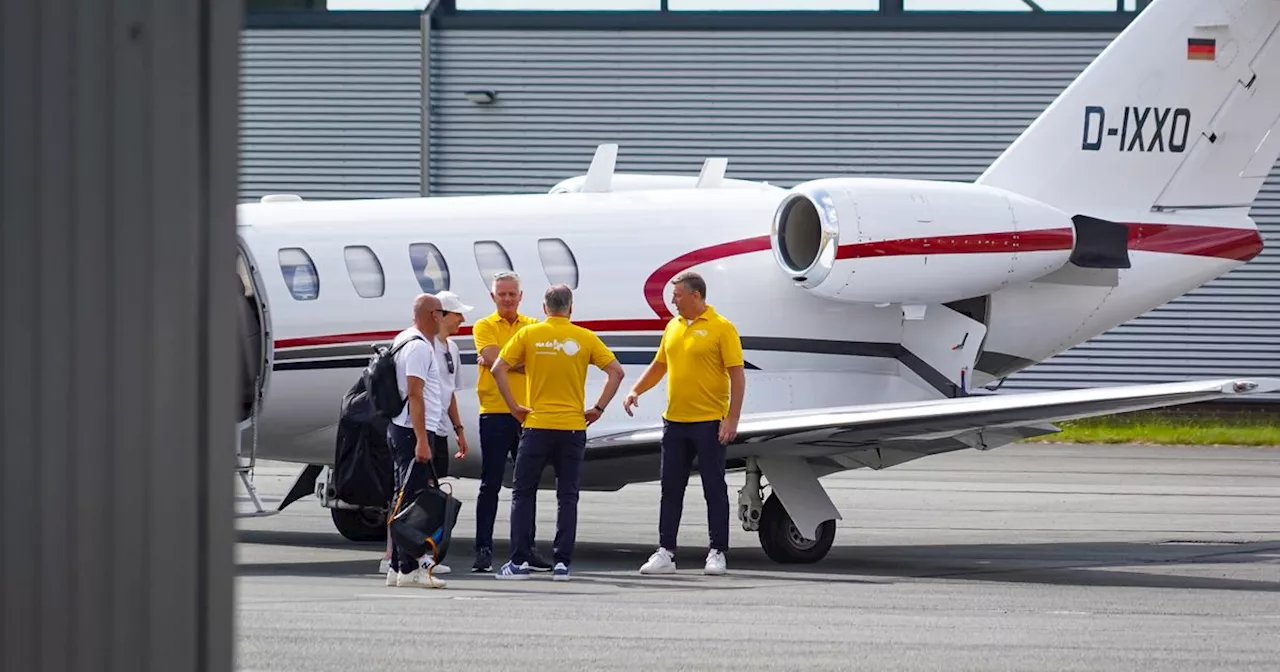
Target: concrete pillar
(117, 252)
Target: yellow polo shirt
(493, 330)
(555, 354)
(698, 357)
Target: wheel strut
(751, 498)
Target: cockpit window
(365, 271)
(558, 262)
(429, 267)
(490, 259)
(299, 273)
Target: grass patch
(1157, 428)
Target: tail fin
(1177, 112)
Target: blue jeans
(499, 437)
(681, 443)
(404, 445)
(564, 450)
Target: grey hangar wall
(336, 113)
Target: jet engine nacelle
(888, 241)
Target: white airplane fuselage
(803, 350)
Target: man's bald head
(426, 314)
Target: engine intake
(913, 242)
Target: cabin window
(365, 271)
(558, 262)
(429, 267)
(299, 273)
(491, 259)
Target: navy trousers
(564, 450)
(440, 455)
(681, 443)
(499, 437)
(403, 446)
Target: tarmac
(1027, 557)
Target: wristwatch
(597, 407)
(458, 428)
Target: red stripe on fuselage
(976, 243)
(599, 326)
(1197, 241)
(653, 287)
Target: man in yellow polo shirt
(703, 353)
(555, 354)
(499, 430)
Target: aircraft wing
(881, 435)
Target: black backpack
(380, 381)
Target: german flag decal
(1201, 49)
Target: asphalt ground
(1029, 557)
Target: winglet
(600, 174)
(712, 173)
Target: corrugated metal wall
(330, 113)
(787, 107)
(784, 107)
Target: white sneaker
(419, 578)
(715, 563)
(661, 562)
(439, 569)
(392, 577)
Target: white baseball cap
(450, 303)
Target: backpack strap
(392, 352)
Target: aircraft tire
(783, 544)
(360, 525)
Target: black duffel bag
(424, 520)
(363, 472)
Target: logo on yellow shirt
(567, 346)
(700, 332)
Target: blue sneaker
(513, 571)
(560, 573)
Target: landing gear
(783, 543)
(779, 537)
(360, 524)
(750, 501)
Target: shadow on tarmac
(1120, 564)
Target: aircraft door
(253, 342)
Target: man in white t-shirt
(450, 367)
(411, 434)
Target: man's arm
(652, 374)
(417, 370)
(737, 391)
(486, 344)
(418, 416)
(614, 370)
(499, 372)
(604, 359)
(512, 355)
(457, 427)
(731, 355)
(489, 356)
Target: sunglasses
(448, 359)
